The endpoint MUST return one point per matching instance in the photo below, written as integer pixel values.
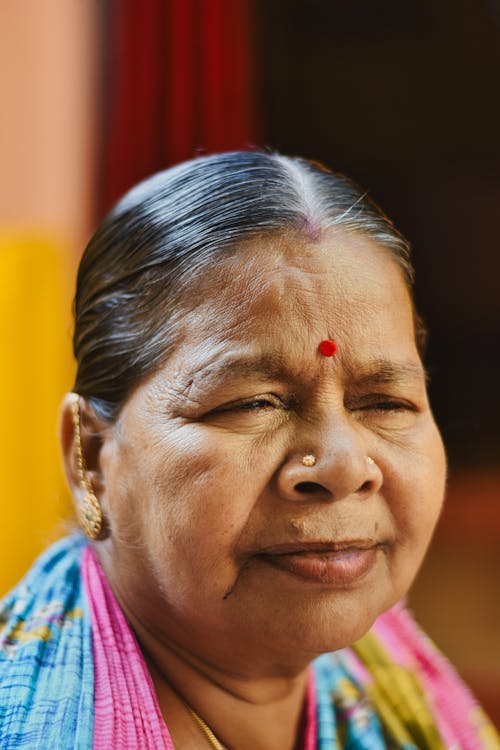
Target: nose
(342, 466)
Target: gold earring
(309, 460)
(89, 510)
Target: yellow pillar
(35, 372)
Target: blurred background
(403, 97)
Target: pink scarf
(127, 714)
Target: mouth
(339, 564)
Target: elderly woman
(258, 474)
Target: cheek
(433, 480)
(418, 496)
(192, 497)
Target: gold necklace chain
(207, 732)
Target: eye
(382, 406)
(388, 405)
(258, 403)
(254, 414)
(255, 404)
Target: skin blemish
(297, 528)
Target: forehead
(284, 291)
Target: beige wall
(47, 73)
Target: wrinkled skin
(202, 473)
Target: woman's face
(222, 542)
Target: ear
(92, 431)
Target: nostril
(365, 486)
(308, 488)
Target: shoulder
(45, 650)
(46, 592)
(408, 675)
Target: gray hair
(175, 226)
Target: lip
(338, 564)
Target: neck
(244, 713)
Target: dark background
(404, 97)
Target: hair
(171, 229)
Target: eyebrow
(270, 365)
(273, 365)
(383, 371)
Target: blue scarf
(46, 667)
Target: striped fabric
(126, 712)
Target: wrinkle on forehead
(265, 261)
(285, 289)
(277, 264)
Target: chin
(340, 633)
(329, 626)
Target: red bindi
(328, 348)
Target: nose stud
(309, 460)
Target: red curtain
(177, 82)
